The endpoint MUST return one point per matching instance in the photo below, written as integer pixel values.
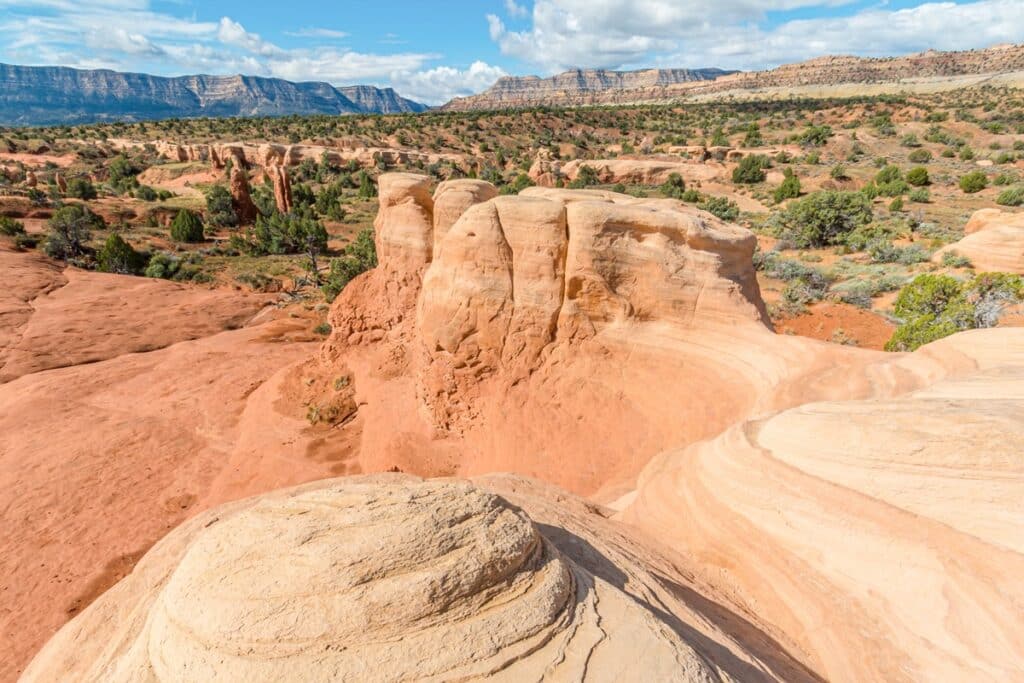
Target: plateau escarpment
(820, 76)
(50, 95)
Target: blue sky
(432, 51)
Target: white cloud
(127, 35)
(440, 84)
(731, 33)
(310, 32)
(515, 10)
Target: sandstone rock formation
(241, 200)
(451, 199)
(282, 187)
(390, 578)
(614, 346)
(30, 179)
(993, 241)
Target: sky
(433, 51)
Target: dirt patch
(840, 323)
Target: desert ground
(723, 391)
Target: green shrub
(521, 182)
(918, 176)
(187, 227)
(936, 306)
(673, 187)
(11, 227)
(146, 193)
(220, 208)
(281, 233)
(169, 267)
(585, 177)
(838, 172)
(888, 174)
(367, 188)
(1013, 196)
(117, 256)
(359, 256)
(81, 188)
(951, 259)
(751, 169)
(910, 140)
(789, 189)
(69, 230)
(722, 207)
(920, 156)
(920, 195)
(825, 217)
(815, 136)
(975, 181)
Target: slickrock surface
(387, 578)
(994, 241)
(52, 317)
(777, 508)
(884, 536)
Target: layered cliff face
(579, 87)
(58, 95)
(600, 87)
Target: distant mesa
(53, 95)
(824, 76)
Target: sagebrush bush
(975, 181)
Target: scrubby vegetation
(936, 306)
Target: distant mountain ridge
(579, 87)
(816, 77)
(53, 95)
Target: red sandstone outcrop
(241, 200)
(282, 187)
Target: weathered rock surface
(51, 317)
(613, 346)
(388, 578)
(282, 187)
(993, 241)
(241, 199)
